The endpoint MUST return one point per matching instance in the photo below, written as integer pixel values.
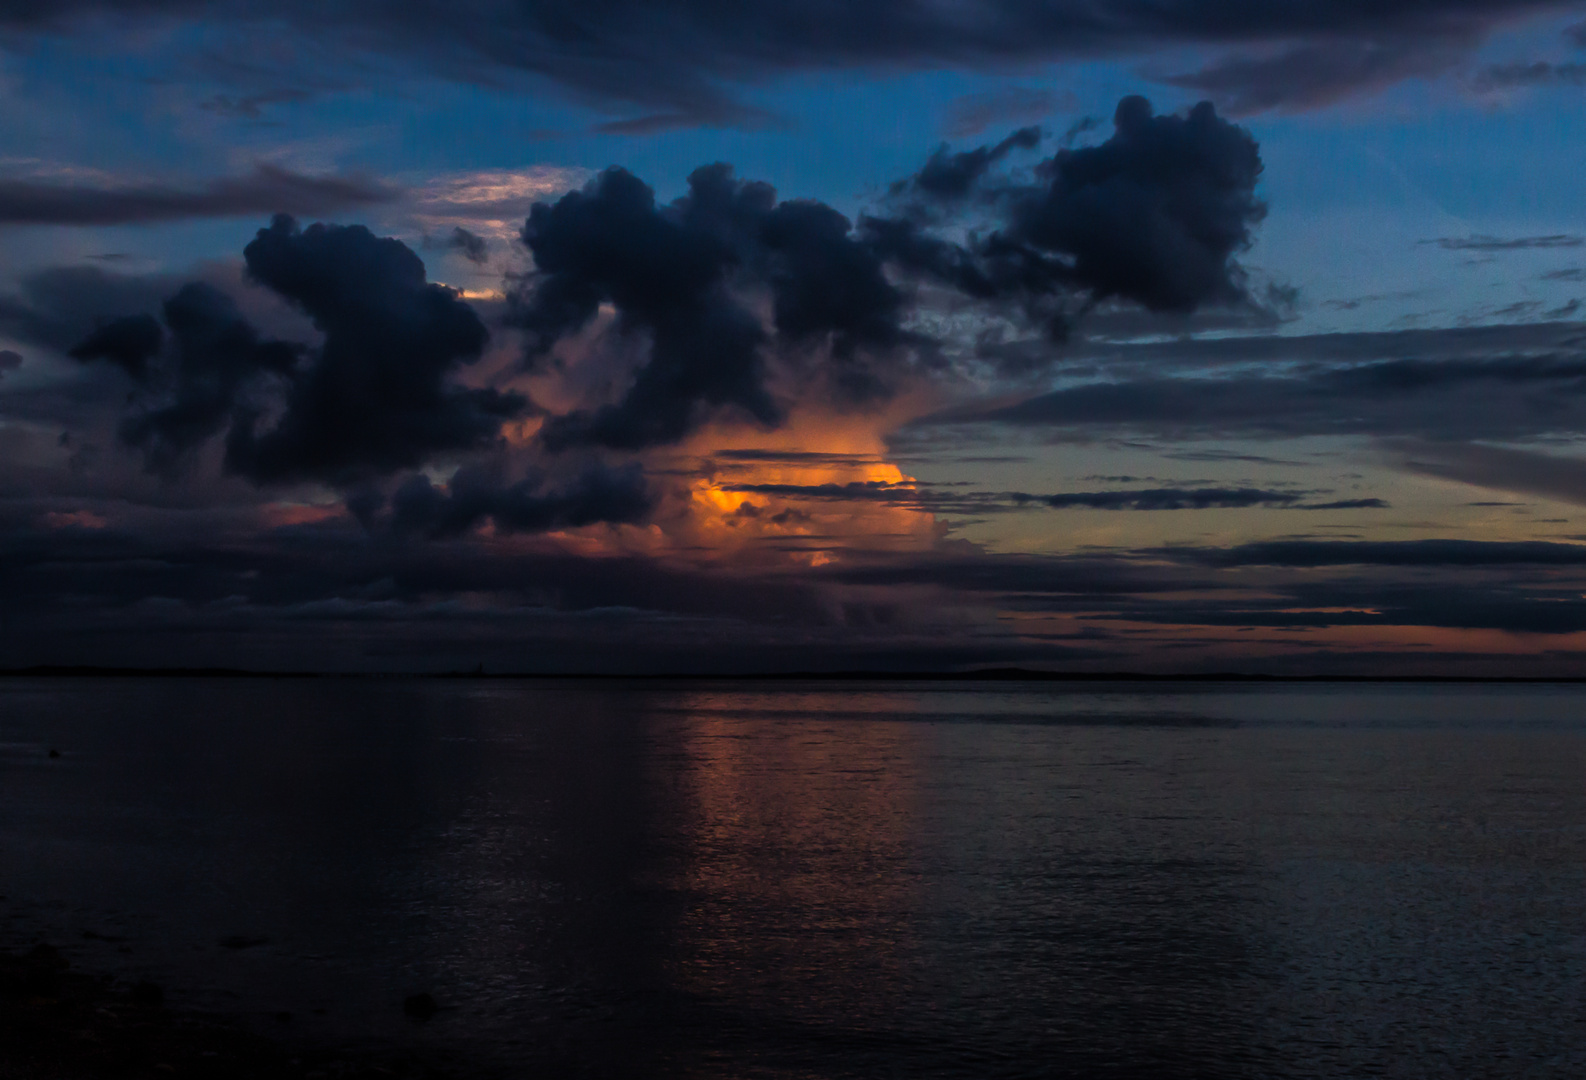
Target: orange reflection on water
(799, 811)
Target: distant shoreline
(999, 674)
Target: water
(816, 880)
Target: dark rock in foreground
(57, 1024)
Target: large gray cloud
(1155, 215)
(527, 505)
(677, 276)
(376, 396)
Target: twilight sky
(1166, 335)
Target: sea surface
(802, 880)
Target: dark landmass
(60, 1024)
(1000, 674)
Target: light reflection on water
(741, 880)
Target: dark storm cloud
(1154, 215)
(949, 177)
(267, 190)
(215, 356)
(129, 342)
(685, 54)
(676, 275)
(60, 306)
(377, 396)
(10, 360)
(373, 398)
(477, 492)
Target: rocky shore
(57, 1023)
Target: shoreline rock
(60, 1024)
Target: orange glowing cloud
(281, 515)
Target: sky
(1170, 336)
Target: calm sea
(815, 880)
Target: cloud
(1347, 504)
(685, 58)
(974, 113)
(215, 355)
(1437, 399)
(493, 201)
(1538, 73)
(948, 177)
(59, 306)
(1318, 553)
(129, 342)
(373, 398)
(677, 277)
(377, 396)
(718, 114)
(1497, 467)
(251, 106)
(922, 497)
(329, 595)
(1313, 74)
(1153, 215)
(473, 248)
(1194, 499)
(1498, 342)
(268, 189)
(1455, 584)
(9, 360)
(1499, 243)
(474, 493)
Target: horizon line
(990, 674)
